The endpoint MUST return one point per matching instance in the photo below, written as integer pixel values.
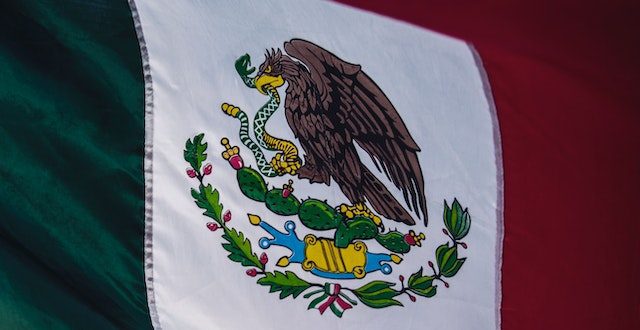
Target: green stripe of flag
(71, 176)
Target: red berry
(409, 239)
(430, 264)
(191, 173)
(212, 226)
(401, 278)
(252, 272)
(464, 245)
(446, 284)
(208, 169)
(286, 193)
(413, 299)
(264, 258)
(227, 216)
(236, 162)
(445, 231)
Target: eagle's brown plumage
(330, 104)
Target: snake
(264, 139)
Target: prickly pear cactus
(316, 214)
(357, 228)
(252, 184)
(278, 204)
(394, 241)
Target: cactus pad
(252, 184)
(281, 205)
(394, 242)
(318, 215)
(358, 228)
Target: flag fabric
(72, 187)
(290, 164)
(360, 174)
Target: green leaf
(208, 199)
(426, 292)
(456, 215)
(240, 248)
(194, 152)
(440, 251)
(288, 283)
(457, 220)
(446, 257)
(421, 285)
(455, 267)
(377, 294)
(374, 286)
(448, 261)
(450, 256)
(465, 226)
(415, 276)
(446, 215)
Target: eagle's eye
(268, 69)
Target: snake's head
(243, 66)
(270, 73)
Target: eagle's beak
(264, 80)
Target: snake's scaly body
(264, 139)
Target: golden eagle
(329, 105)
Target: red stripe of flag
(565, 80)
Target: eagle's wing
(368, 115)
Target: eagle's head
(271, 71)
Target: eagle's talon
(359, 209)
(283, 166)
(376, 219)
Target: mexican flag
(318, 165)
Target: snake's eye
(268, 69)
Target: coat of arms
(331, 106)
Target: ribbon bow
(331, 298)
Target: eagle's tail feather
(382, 200)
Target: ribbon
(331, 299)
